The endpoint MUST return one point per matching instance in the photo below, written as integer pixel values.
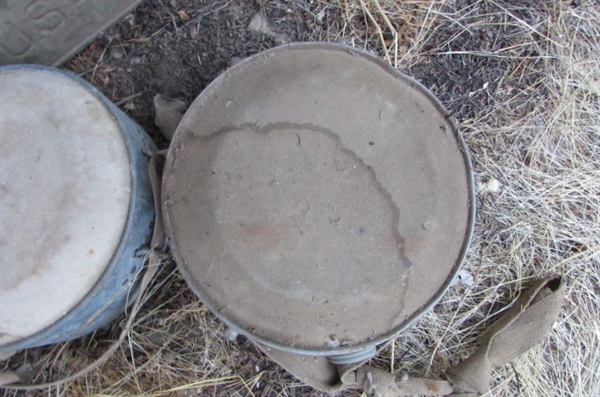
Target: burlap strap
(524, 325)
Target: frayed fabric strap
(524, 325)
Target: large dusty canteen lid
(65, 189)
(317, 199)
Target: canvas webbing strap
(12, 380)
(524, 325)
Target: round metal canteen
(76, 207)
(318, 200)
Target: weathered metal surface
(76, 207)
(318, 200)
(50, 32)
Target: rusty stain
(265, 236)
(91, 252)
(431, 386)
(414, 244)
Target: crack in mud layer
(357, 162)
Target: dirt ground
(176, 48)
(495, 66)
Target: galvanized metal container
(318, 200)
(76, 207)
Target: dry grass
(539, 136)
(524, 82)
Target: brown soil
(176, 48)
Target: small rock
(230, 334)
(259, 24)
(117, 52)
(320, 16)
(193, 32)
(281, 39)
(463, 278)
(491, 186)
